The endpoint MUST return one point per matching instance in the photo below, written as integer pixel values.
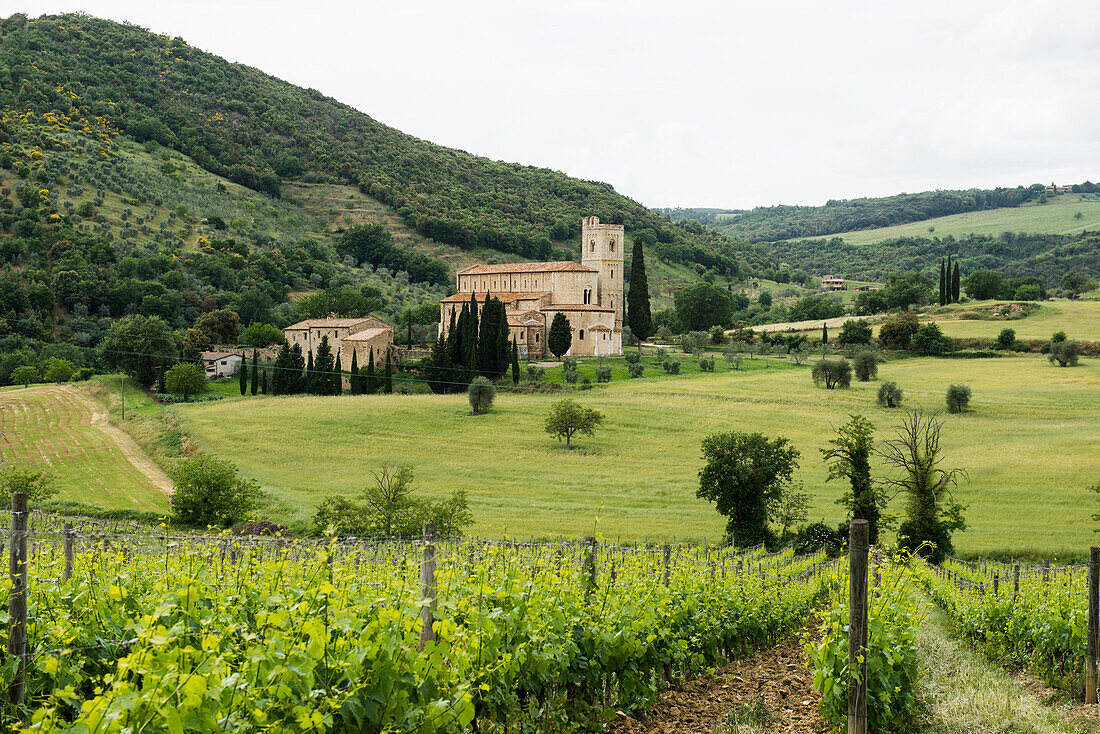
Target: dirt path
(121, 439)
(768, 692)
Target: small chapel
(589, 293)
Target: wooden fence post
(667, 552)
(69, 555)
(1094, 625)
(1016, 580)
(857, 626)
(17, 599)
(427, 587)
(996, 584)
(1046, 571)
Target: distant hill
(702, 215)
(260, 132)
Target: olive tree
(958, 398)
(1064, 352)
(865, 364)
(832, 373)
(889, 394)
(186, 379)
(568, 418)
(482, 392)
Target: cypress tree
(943, 283)
(469, 342)
(296, 378)
(955, 285)
(387, 377)
(242, 376)
(438, 372)
(160, 380)
(947, 280)
(325, 368)
(487, 338)
(263, 382)
(504, 351)
(824, 333)
(370, 387)
(410, 340)
(280, 379)
(354, 379)
(255, 371)
(309, 379)
(454, 337)
(515, 363)
(337, 376)
(637, 298)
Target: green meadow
(1028, 444)
(1057, 216)
(1079, 319)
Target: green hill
(259, 131)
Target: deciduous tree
(568, 418)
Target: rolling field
(57, 427)
(1057, 216)
(1079, 319)
(1028, 444)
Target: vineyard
(132, 630)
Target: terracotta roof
(575, 307)
(599, 327)
(215, 356)
(504, 297)
(554, 267)
(367, 334)
(329, 323)
(516, 318)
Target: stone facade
(589, 293)
(359, 334)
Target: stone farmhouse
(221, 364)
(590, 294)
(345, 337)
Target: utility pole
(122, 393)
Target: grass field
(1079, 319)
(1056, 216)
(60, 429)
(1028, 444)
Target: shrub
(672, 366)
(185, 379)
(692, 341)
(603, 374)
(37, 485)
(208, 491)
(632, 357)
(717, 334)
(25, 375)
(482, 392)
(958, 398)
(897, 331)
(832, 373)
(535, 372)
(706, 365)
(855, 331)
(636, 369)
(889, 395)
(570, 375)
(661, 355)
(1063, 352)
(929, 340)
(586, 384)
(569, 363)
(865, 365)
(1006, 339)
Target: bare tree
(389, 497)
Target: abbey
(590, 294)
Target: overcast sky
(729, 104)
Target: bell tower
(602, 248)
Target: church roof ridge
(546, 267)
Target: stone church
(590, 294)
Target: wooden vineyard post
(590, 563)
(427, 587)
(996, 584)
(69, 555)
(1046, 571)
(857, 626)
(1016, 581)
(1094, 625)
(17, 598)
(667, 552)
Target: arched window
(613, 244)
(536, 337)
(580, 336)
(612, 273)
(592, 245)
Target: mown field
(1028, 445)
(1079, 319)
(60, 429)
(1057, 216)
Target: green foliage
(1064, 352)
(849, 458)
(908, 288)
(25, 375)
(983, 284)
(832, 373)
(209, 491)
(38, 484)
(535, 372)
(958, 398)
(136, 344)
(865, 365)
(892, 658)
(561, 335)
(59, 370)
(701, 305)
(890, 395)
(671, 366)
(855, 331)
(897, 331)
(261, 335)
(706, 365)
(568, 418)
(638, 314)
(482, 392)
(746, 476)
(186, 379)
(603, 374)
(1006, 339)
(635, 369)
(813, 308)
(929, 340)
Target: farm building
(589, 293)
(833, 283)
(221, 364)
(345, 336)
